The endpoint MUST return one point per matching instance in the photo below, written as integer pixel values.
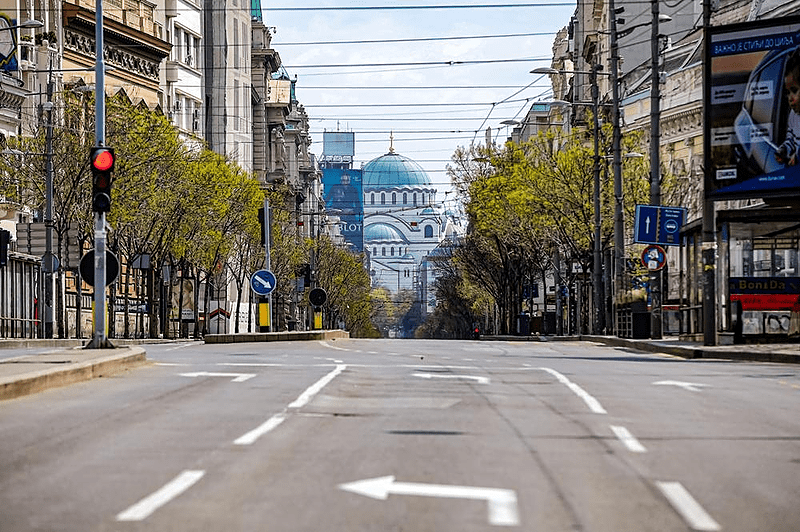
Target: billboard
(752, 118)
(338, 147)
(8, 44)
(343, 196)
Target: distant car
(761, 124)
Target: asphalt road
(407, 435)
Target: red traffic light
(103, 159)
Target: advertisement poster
(753, 115)
(343, 199)
(8, 44)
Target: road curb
(776, 353)
(770, 353)
(96, 364)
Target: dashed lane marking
(145, 507)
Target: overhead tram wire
(420, 63)
(405, 87)
(418, 39)
(421, 7)
(441, 7)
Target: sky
(407, 88)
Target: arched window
(414, 198)
(383, 198)
(394, 198)
(392, 251)
(423, 199)
(383, 251)
(405, 198)
(375, 251)
(428, 231)
(372, 198)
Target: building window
(428, 231)
(375, 251)
(236, 46)
(394, 198)
(414, 198)
(405, 198)
(383, 198)
(392, 251)
(383, 251)
(372, 198)
(423, 199)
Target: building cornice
(79, 27)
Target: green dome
(394, 171)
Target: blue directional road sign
(263, 282)
(658, 225)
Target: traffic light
(5, 238)
(101, 160)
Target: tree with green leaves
(528, 202)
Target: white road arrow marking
(480, 380)
(237, 377)
(691, 386)
(502, 502)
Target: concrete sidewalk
(29, 374)
(781, 353)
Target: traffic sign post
(86, 268)
(655, 224)
(317, 298)
(263, 282)
(654, 257)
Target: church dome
(382, 232)
(394, 171)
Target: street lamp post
(655, 156)
(597, 268)
(619, 221)
(597, 258)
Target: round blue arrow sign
(263, 282)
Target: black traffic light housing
(5, 239)
(101, 160)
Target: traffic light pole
(100, 338)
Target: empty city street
(353, 435)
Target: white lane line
(315, 388)
(691, 511)
(628, 439)
(269, 425)
(593, 404)
(236, 377)
(331, 346)
(180, 346)
(479, 380)
(144, 508)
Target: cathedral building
(402, 222)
